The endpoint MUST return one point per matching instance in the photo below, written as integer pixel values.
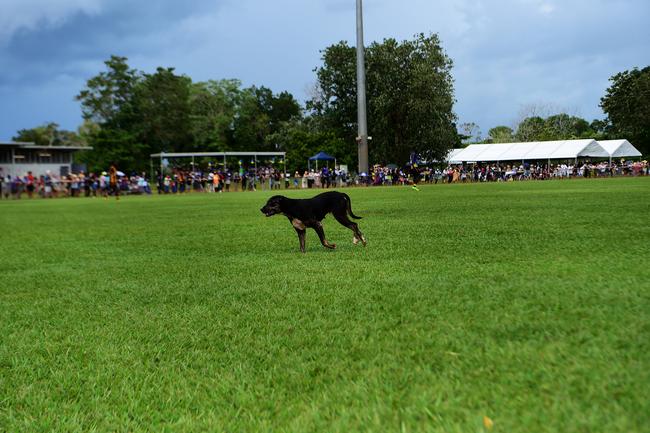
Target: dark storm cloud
(506, 53)
(45, 64)
(124, 28)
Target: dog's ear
(281, 201)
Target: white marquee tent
(619, 148)
(538, 150)
(451, 156)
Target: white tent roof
(519, 151)
(544, 150)
(471, 152)
(563, 149)
(618, 148)
(451, 156)
(495, 151)
(575, 148)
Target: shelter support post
(224, 163)
(285, 171)
(151, 169)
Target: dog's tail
(347, 198)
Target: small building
(17, 158)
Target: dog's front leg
(302, 234)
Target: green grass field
(528, 303)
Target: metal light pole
(362, 138)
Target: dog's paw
(355, 240)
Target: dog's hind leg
(318, 227)
(345, 221)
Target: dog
(308, 213)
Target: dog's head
(273, 206)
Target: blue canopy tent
(320, 156)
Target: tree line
(130, 114)
(544, 128)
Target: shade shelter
(619, 148)
(320, 156)
(224, 155)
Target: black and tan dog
(307, 213)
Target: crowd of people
(178, 181)
(459, 173)
(49, 185)
(264, 178)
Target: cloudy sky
(508, 54)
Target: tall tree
(107, 98)
(162, 105)
(260, 115)
(334, 102)
(627, 105)
(108, 101)
(251, 125)
(213, 106)
(410, 99)
(284, 108)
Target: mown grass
(528, 303)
